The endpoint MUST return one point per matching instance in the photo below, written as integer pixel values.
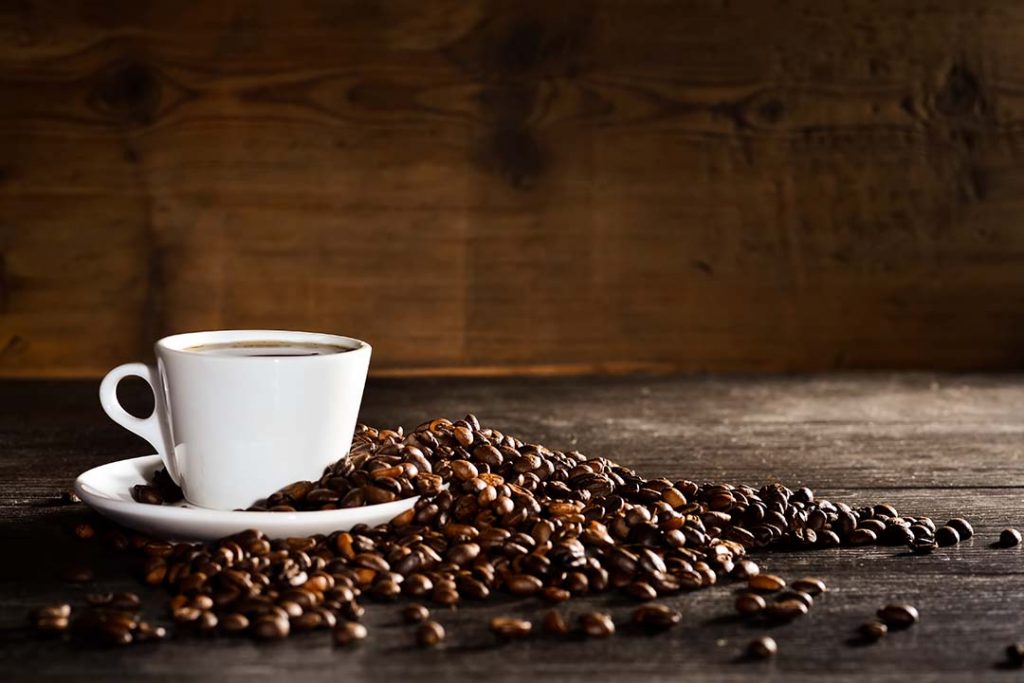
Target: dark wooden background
(746, 185)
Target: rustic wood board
(930, 444)
(517, 186)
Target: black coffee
(271, 349)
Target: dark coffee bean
(554, 624)
(51, 624)
(749, 603)
(148, 495)
(523, 584)
(962, 526)
(766, 582)
(234, 623)
(1009, 538)
(638, 590)
(656, 617)
(946, 536)
(885, 509)
(896, 535)
(84, 531)
(349, 632)
(764, 647)
(430, 634)
(125, 601)
(898, 616)
(922, 547)
(873, 630)
(271, 627)
(146, 632)
(1015, 654)
(810, 585)
(745, 569)
(510, 627)
(862, 537)
(414, 614)
(597, 624)
(786, 610)
(799, 596)
(555, 594)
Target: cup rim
(178, 344)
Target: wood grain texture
(517, 186)
(930, 444)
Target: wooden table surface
(932, 445)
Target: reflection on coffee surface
(272, 349)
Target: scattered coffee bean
(1015, 654)
(799, 596)
(750, 603)
(415, 614)
(1009, 538)
(766, 582)
(946, 536)
(597, 624)
(762, 648)
(962, 526)
(810, 585)
(430, 634)
(898, 617)
(873, 630)
(786, 610)
(656, 617)
(143, 493)
(510, 627)
(348, 632)
(554, 624)
(923, 547)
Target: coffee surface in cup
(269, 348)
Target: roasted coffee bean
(1015, 655)
(810, 585)
(523, 584)
(963, 528)
(596, 624)
(271, 627)
(898, 617)
(414, 614)
(799, 596)
(555, 594)
(745, 569)
(639, 590)
(146, 632)
(750, 603)
(764, 647)
(946, 536)
(234, 623)
(84, 531)
(656, 617)
(430, 634)
(766, 582)
(149, 495)
(1009, 538)
(554, 624)
(510, 627)
(873, 630)
(862, 537)
(786, 610)
(349, 632)
(50, 624)
(923, 547)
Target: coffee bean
(523, 584)
(146, 632)
(597, 624)
(749, 603)
(85, 531)
(862, 537)
(1009, 538)
(554, 623)
(639, 590)
(271, 627)
(922, 547)
(349, 632)
(810, 585)
(762, 648)
(656, 617)
(555, 594)
(873, 630)
(234, 623)
(962, 526)
(1015, 654)
(414, 614)
(766, 582)
(799, 596)
(946, 536)
(51, 624)
(430, 634)
(786, 610)
(510, 627)
(148, 495)
(898, 616)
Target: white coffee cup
(232, 429)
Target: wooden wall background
(612, 185)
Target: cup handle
(151, 428)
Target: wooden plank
(517, 186)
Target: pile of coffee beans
(516, 518)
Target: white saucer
(106, 489)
